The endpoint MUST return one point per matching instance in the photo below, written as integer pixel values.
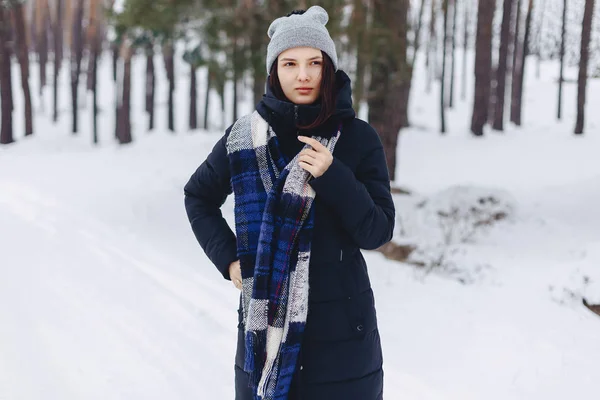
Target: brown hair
(327, 95)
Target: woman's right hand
(235, 273)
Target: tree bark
(207, 96)
(359, 19)
(517, 62)
(23, 57)
(586, 33)
(390, 74)
(42, 22)
(193, 122)
(443, 77)
(168, 53)
(430, 61)
(6, 127)
(235, 78)
(502, 65)
(463, 92)
(150, 85)
(453, 66)
(516, 104)
(562, 58)
(483, 65)
(58, 54)
(124, 123)
(76, 56)
(95, 40)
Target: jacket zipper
(341, 254)
(296, 115)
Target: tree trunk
(168, 54)
(257, 50)
(517, 101)
(430, 61)
(539, 39)
(124, 123)
(193, 99)
(94, 83)
(115, 59)
(453, 67)
(463, 91)
(6, 129)
(235, 78)
(150, 85)
(95, 40)
(562, 58)
(517, 62)
(207, 96)
(483, 64)
(42, 22)
(586, 33)
(360, 22)
(443, 77)
(390, 74)
(76, 56)
(23, 56)
(58, 54)
(498, 124)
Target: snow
(105, 294)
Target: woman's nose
(303, 74)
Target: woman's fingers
(315, 144)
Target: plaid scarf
(274, 223)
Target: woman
(311, 189)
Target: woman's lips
(304, 90)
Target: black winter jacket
(341, 356)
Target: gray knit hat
(301, 30)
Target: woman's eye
(317, 62)
(288, 64)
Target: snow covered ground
(104, 293)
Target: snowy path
(87, 314)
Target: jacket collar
(284, 116)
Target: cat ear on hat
(318, 13)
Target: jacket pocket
(345, 319)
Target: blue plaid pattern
(274, 223)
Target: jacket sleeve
(362, 201)
(205, 193)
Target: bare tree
(42, 16)
(453, 67)
(58, 53)
(193, 117)
(124, 93)
(390, 74)
(94, 40)
(463, 93)
(586, 33)
(483, 64)
(169, 56)
(76, 56)
(6, 128)
(443, 77)
(517, 58)
(502, 65)
(562, 58)
(521, 57)
(430, 61)
(23, 57)
(150, 83)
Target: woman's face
(300, 71)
